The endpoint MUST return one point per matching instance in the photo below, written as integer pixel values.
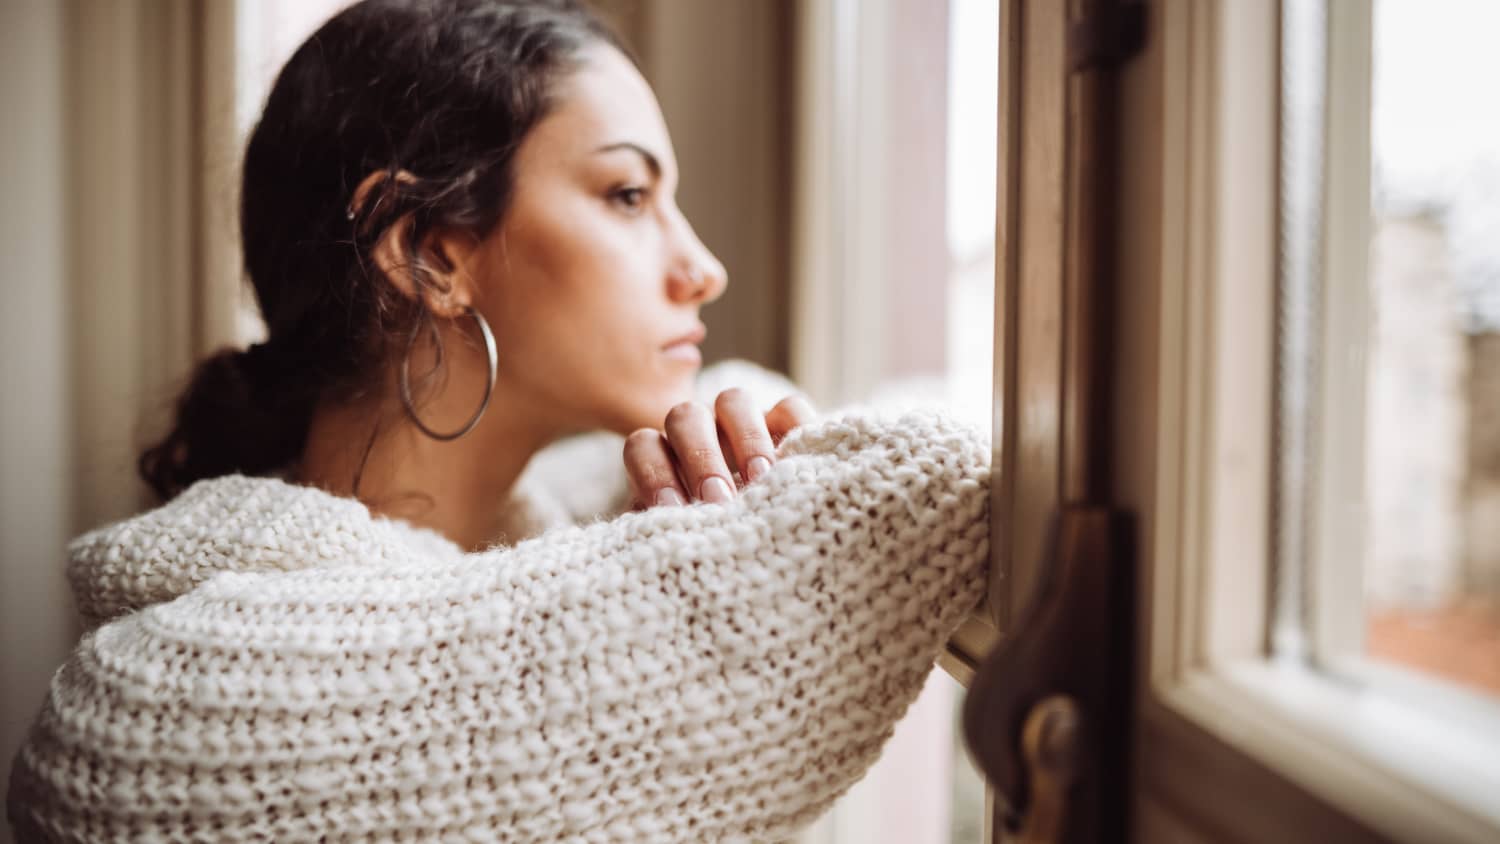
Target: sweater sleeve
(712, 672)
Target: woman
(426, 170)
(458, 218)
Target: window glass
(1433, 560)
(1388, 337)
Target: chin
(623, 419)
(651, 411)
(646, 403)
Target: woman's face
(593, 272)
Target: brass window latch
(1047, 717)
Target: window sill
(1371, 754)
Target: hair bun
(230, 420)
(257, 362)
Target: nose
(696, 276)
(696, 283)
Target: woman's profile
(346, 620)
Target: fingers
(694, 440)
(744, 431)
(696, 457)
(651, 470)
(789, 414)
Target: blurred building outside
(1433, 447)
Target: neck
(459, 488)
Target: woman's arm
(712, 672)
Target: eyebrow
(652, 162)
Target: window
(1389, 303)
(1313, 467)
(896, 220)
(1432, 453)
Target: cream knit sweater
(283, 667)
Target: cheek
(593, 277)
(579, 255)
(544, 271)
(583, 311)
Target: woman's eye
(630, 198)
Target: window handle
(1047, 717)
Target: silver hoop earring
(489, 386)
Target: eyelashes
(630, 198)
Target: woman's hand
(699, 453)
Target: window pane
(1387, 427)
(931, 250)
(1433, 445)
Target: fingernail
(715, 490)
(758, 466)
(668, 496)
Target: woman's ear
(432, 270)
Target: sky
(1436, 132)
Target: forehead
(604, 101)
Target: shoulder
(232, 523)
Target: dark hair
(441, 89)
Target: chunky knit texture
(284, 667)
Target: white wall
(36, 612)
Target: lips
(685, 348)
(692, 338)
